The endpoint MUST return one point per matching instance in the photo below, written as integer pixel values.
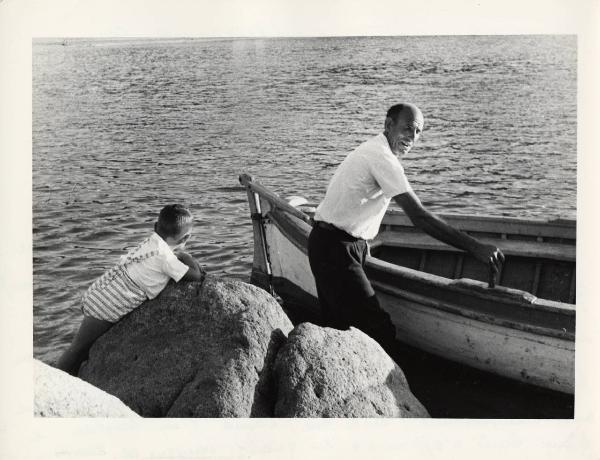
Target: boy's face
(178, 241)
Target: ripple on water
(144, 126)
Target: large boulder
(324, 372)
(58, 394)
(201, 349)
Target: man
(351, 213)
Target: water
(123, 127)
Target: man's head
(174, 225)
(403, 126)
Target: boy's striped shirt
(114, 294)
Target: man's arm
(436, 227)
(195, 272)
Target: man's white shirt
(362, 187)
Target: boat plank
(573, 289)
(489, 224)
(555, 281)
(441, 263)
(519, 273)
(533, 249)
(536, 278)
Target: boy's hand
(195, 272)
(183, 256)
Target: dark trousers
(346, 296)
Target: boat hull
(520, 355)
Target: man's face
(404, 132)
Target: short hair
(394, 111)
(172, 218)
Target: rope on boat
(275, 201)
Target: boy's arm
(195, 272)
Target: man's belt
(332, 228)
(327, 226)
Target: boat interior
(540, 259)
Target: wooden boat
(437, 296)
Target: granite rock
(58, 394)
(202, 349)
(324, 372)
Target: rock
(197, 350)
(58, 394)
(324, 372)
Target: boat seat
(537, 249)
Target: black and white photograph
(481, 128)
(383, 224)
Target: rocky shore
(224, 348)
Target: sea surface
(122, 127)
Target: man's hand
(491, 255)
(438, 228)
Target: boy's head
(174, 225)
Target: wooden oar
(276, 202)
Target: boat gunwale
(306, 215)
(436, 304)
(558, 222)
(456, 219)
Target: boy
(141, 274)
